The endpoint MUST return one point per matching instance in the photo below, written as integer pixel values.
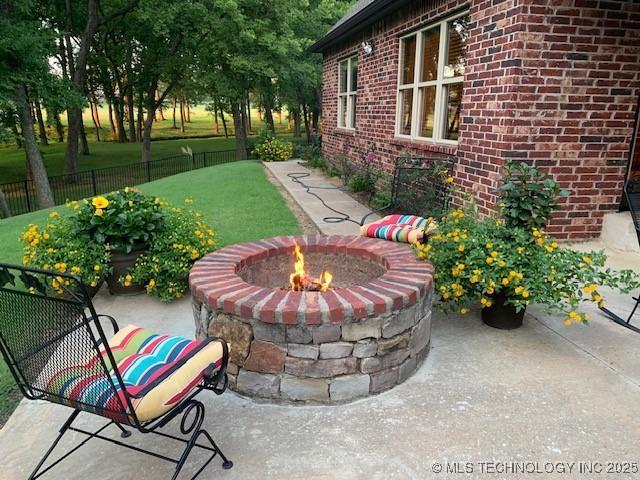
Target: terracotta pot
(502, 316)
(120, 264)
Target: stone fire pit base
(341, 354)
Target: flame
(299, 279)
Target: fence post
(193, 161)
(93, 182)
(26, 194)
(148, 170)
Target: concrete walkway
(312, 206)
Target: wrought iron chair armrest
(114, 324)
(214, 375)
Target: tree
(24, 54)
(95, 18)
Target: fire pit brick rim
(214, 280)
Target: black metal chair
(54, 345)
(418, 186)
(632, 195)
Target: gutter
(361, 20)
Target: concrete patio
(543, 393)
(540, 397)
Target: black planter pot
(502, 316)
(121, 263)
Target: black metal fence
(21, 196)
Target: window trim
(350, 94)
(416, 85)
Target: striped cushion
(158, 370)
(398, 228)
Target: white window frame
(441, 100)
(350, 94)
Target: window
(430, 75)
(347, 87)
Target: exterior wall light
(367, 48)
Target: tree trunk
(182, 115)
(188, 111)
(215, 118)
(224, 123)
(249, 128)
(110, 110)
(140, 116)
(268, 113)
(59, 127)
(146, 135)
(118, 111)
(96, 113)
(34, 158)
(42, 130)
(5, 212)
(280, 116)
(296, 123)
(175, 126)
(239, 122)
(84, 144)
(96, 120)
(132, 116)
(305, 115)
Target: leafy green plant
(72, 244)
(274, 150)
(475, 260)
(59, 248)
(527, 196)
(122, 220)
(363, 182)
(165, 267)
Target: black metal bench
(418, 186)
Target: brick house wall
(553, 83)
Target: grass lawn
(108, 154)
(236, 199)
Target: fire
(301, 282)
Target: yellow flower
(99, 212)
(464, 311)
(152, 283)
(525, 294)
(489, 245)
(520, 250)
(100, 202)
(461, 248)
(590, 288)
(53, 214)
(540, 241)
(490, 290)
(587, 260)
(494, 254)
(75, 270)
(519, 290)
(554, 244)
(505, 281)
(489, 260)
(449, 180)
(96, 268)
(502, 264)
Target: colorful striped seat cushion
(158, 371)
(399, 228)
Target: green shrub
(527, 196)
(274, 150)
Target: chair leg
(620, 321)
(124, 433)
(194, 428)
(61, 432)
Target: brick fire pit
(368, 333)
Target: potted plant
(134, 241)
(57, 247)
(125, 222)
(505, 263)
